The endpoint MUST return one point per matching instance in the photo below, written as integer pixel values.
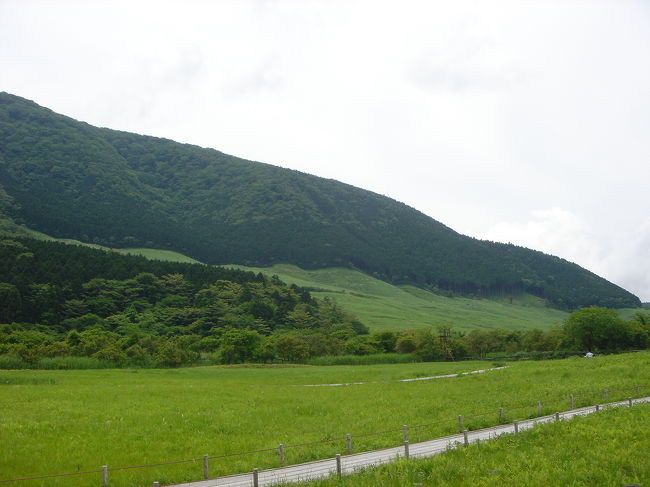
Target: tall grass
(378, 358)
(607, 448)
(9, 362)
(120, 417)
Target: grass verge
(606, 448)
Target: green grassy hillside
(158, 254)
(121, 190)
(383, 306)
(380, 305)
(153, 254)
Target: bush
(597, 329)
(12, 362)
(378, 358)
(171, 354)
(73, 363)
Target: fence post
(516, 425)
(465, 439)
(406, 448)
(460, 423)
(348, 443)
(638, 390)
(539, 408)
(104, 475)
(629, 401)
(405, 433)
(597, 407)
(606, 395)
(557, 416)
(500, 415)
(206, 468)
(338, 465)
(256, 481)
(156, 484)
(281, 450)
(571, 401)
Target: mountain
(70, 179)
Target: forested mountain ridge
(70, 179)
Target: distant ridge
(70, 179)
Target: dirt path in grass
(448, 376)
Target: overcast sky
(515, 121)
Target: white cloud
(626, 260)
(620, 258)
(554, 231)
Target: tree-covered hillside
(70, 179)
(68, 300)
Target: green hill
(71, 302)
(151, 254)
(384, 306)
(70, 179)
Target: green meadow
(383, 306)
(606, 448)
(77, 420)
(158, 254)
(154, 254)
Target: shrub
(12, 362)
(378, 358)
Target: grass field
(71, 421)
(157, 254)
(607, 448)
(153, 254)
(382, 306)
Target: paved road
(350, 463)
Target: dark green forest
(67, 300)
(70, 179)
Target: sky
(515, 121)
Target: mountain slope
(383, 306)
(73, 180)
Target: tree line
(66, 300)
(592, 329)
(133, 345)
(59, 300)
